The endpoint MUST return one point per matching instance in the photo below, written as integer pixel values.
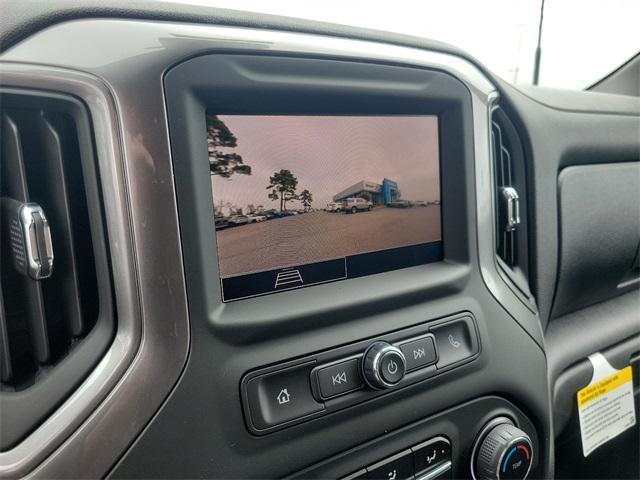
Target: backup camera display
(304, 200)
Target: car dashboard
(461, 359)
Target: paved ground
(322, 235)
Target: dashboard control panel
(292, 392)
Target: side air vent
(55, 296)
(510, 200)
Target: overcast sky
(582, 40)
(329, 154)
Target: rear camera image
(302, 200)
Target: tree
(221, 163)
(283, 186)
(306, 198)
(251, 209)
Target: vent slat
(63, 289)
(506, 160)
(497, 153)
(494, 154)
(509, 237)
(6, 372)
(27, 300)
(15, 181)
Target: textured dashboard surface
(599, 233)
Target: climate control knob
(502, 452)
(383, 365)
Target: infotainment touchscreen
(305, 200)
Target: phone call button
(455, 341)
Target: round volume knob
(504, 452)
(383, 365)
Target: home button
(278, 397)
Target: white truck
(356, 204)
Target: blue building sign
(390, 192)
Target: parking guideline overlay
(271, 281)
(238, 287)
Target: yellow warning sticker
(594, 391)
(605, 406)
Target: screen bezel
(431, 251)
(287, 85)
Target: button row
(277, 397)
(429, 460)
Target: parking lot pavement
(320, 235)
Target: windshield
(582, 40)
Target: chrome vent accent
(29, 238)
(47, 308)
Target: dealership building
(380, 193)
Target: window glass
(582, 40)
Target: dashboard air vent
(510, 200)
(55, 313)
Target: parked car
(334, 207)
(271, 214)
(222, 223)
(238, 220)
(354, 205)
(399, 204)
(257, 218)
(420, 203)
